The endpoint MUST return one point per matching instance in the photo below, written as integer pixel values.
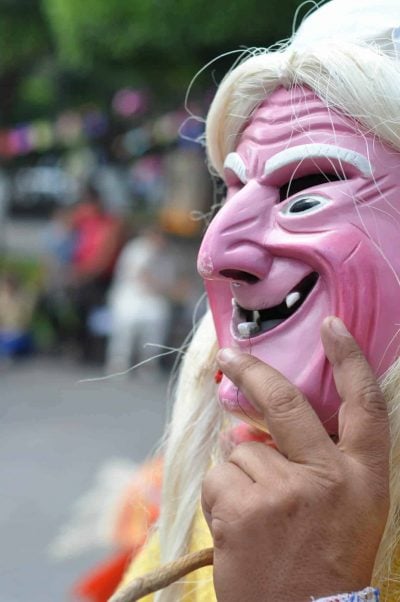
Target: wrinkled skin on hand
(305, 519)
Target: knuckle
(213, 480)
(336, 482)
(280, 505)
(219, 534)
(371, 397)
(206, 484)
(237, 457)
(285, 399)
(222, 496)
(367, 387)
(243, 451)
(332, 482)
(217, 473)
(246, 366)
(355, 354)
(286, 506)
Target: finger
(363, 418)
(292, 422)
(220, 485)
(260, 462)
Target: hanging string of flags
(79, 127)
(68, 129)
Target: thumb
(363, 418)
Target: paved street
(58, 438)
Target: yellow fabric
(390, 590)
(199, 585)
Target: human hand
(304, 520)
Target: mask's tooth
(247, 329)
(292, 299)
(234, 304)
(256, 316)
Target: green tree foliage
(174, 34)
(23, 33)
(24, 41)
(178, 30)
(57, 53)
(176, 27)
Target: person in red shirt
(99, 238)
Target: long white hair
(348, 52)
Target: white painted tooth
(292, 298)
(246, 329)
(234, 303)
(256, 315)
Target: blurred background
(104, 196)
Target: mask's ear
(396, 42)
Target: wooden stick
(164, 576)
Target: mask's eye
(296, 185)
(305, 204)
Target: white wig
(348, 53)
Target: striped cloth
(366, 595)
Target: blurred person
(145, 277)
(16, 309)
(99, 238)
(59, 242)
(184, 299)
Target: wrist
(369, 594)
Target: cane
(164, 576)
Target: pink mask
(310, 228)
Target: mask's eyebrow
(235, 163)
(296, 154)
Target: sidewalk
(56, 436)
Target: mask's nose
(233, 246)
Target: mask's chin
(285, 336)
(233, 401)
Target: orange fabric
(139, 509)
(100, 583)
(140, 505)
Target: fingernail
(227, 355)
(338, 327)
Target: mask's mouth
(249, 323)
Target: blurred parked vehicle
(36, 191)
